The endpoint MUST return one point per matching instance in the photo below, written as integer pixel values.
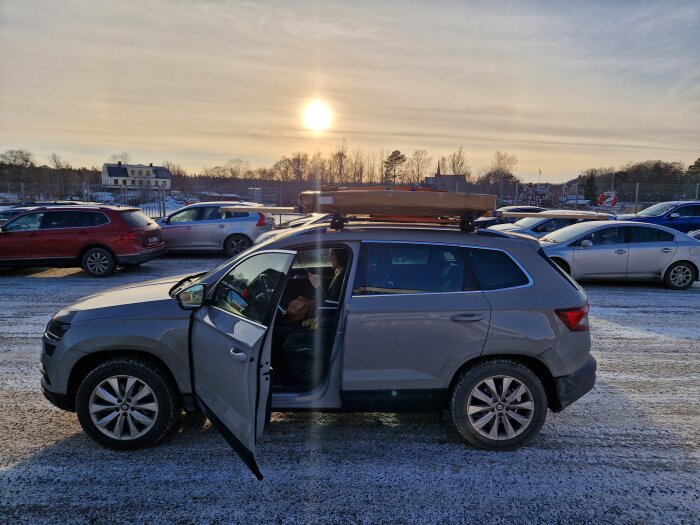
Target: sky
(564, 86)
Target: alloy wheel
(681, 276)
(123, 407)
(97, 263)
(500, 407)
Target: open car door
(231, 351)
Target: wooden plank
(391, 202)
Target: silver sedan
(625, 250)
(204, 227)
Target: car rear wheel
(235, 244)
(498, 405)
(99, 262)
(679, 276)
(127, 404)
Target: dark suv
(96, 238)
(369, 318)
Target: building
(133, 175)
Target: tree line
(340, 166)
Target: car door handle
(221, 226)
(467, 318)
(620, 252)
(666, 250)
(238, 356)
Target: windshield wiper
(185, 280)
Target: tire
(235, 244)
(99, 262)
(157, 408)
(561, 264)
(470, 393)
(679, 276)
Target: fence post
(697, 190)
(516, 193)
(636, 197)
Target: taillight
(575, 319)
(261, 220)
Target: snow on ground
(626, 453)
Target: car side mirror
(166, 220)
(674, 215)
(191, 297)
(586, 243)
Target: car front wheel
(498, 405)
(127, 404)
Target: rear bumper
(141, 257)
(573, 386)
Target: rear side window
(641, 234)
(604, 237)
(404, 268)
(495, 269)
(689, 211)
(136, 219)
(72, 219)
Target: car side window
(25, 223)
(604, 237)
(98, 219)
(249, 288)
(641, 234)
(689, 211)
(188, 215)
(495, 269)
(405, 268)
(65, 219)
(211, 213)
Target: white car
(542, 224)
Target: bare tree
(318, 167)
(417, 167)
(57, 163)
(175, 169)
(16, 161)
(122, 157)
(458, 164)
(371, 169)
(236, 168)
(357, 166)
(338, 166)
(499, 176)
(300, 163)
(283, 169)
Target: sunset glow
(317, 116)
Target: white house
(132, 175)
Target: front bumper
(59, 400)
(573, 386)
(141, 257)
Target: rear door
(210, 229)
(416, 313)
(606, 259)
(231, 351)
(650, 250)
(688, 219)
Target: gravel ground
(626, 453)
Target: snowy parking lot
(628, 452)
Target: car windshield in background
(528, 222)
(136, 219)
(568, 232)
(656, 209)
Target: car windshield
(656, 209)
(528, 222)
(568, 232)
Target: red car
(96, 238)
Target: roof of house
(122, 170)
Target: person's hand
(314, 279)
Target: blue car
(680, 215)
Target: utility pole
(636, 198)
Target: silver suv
(372, 317)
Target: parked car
(683, 216)
(405, 318)
(204, 227)
(96, 238)
(485, 222)
(539, 226)
(695, 234)
(625, 250)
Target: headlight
(56, 329)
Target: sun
(317, 116)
